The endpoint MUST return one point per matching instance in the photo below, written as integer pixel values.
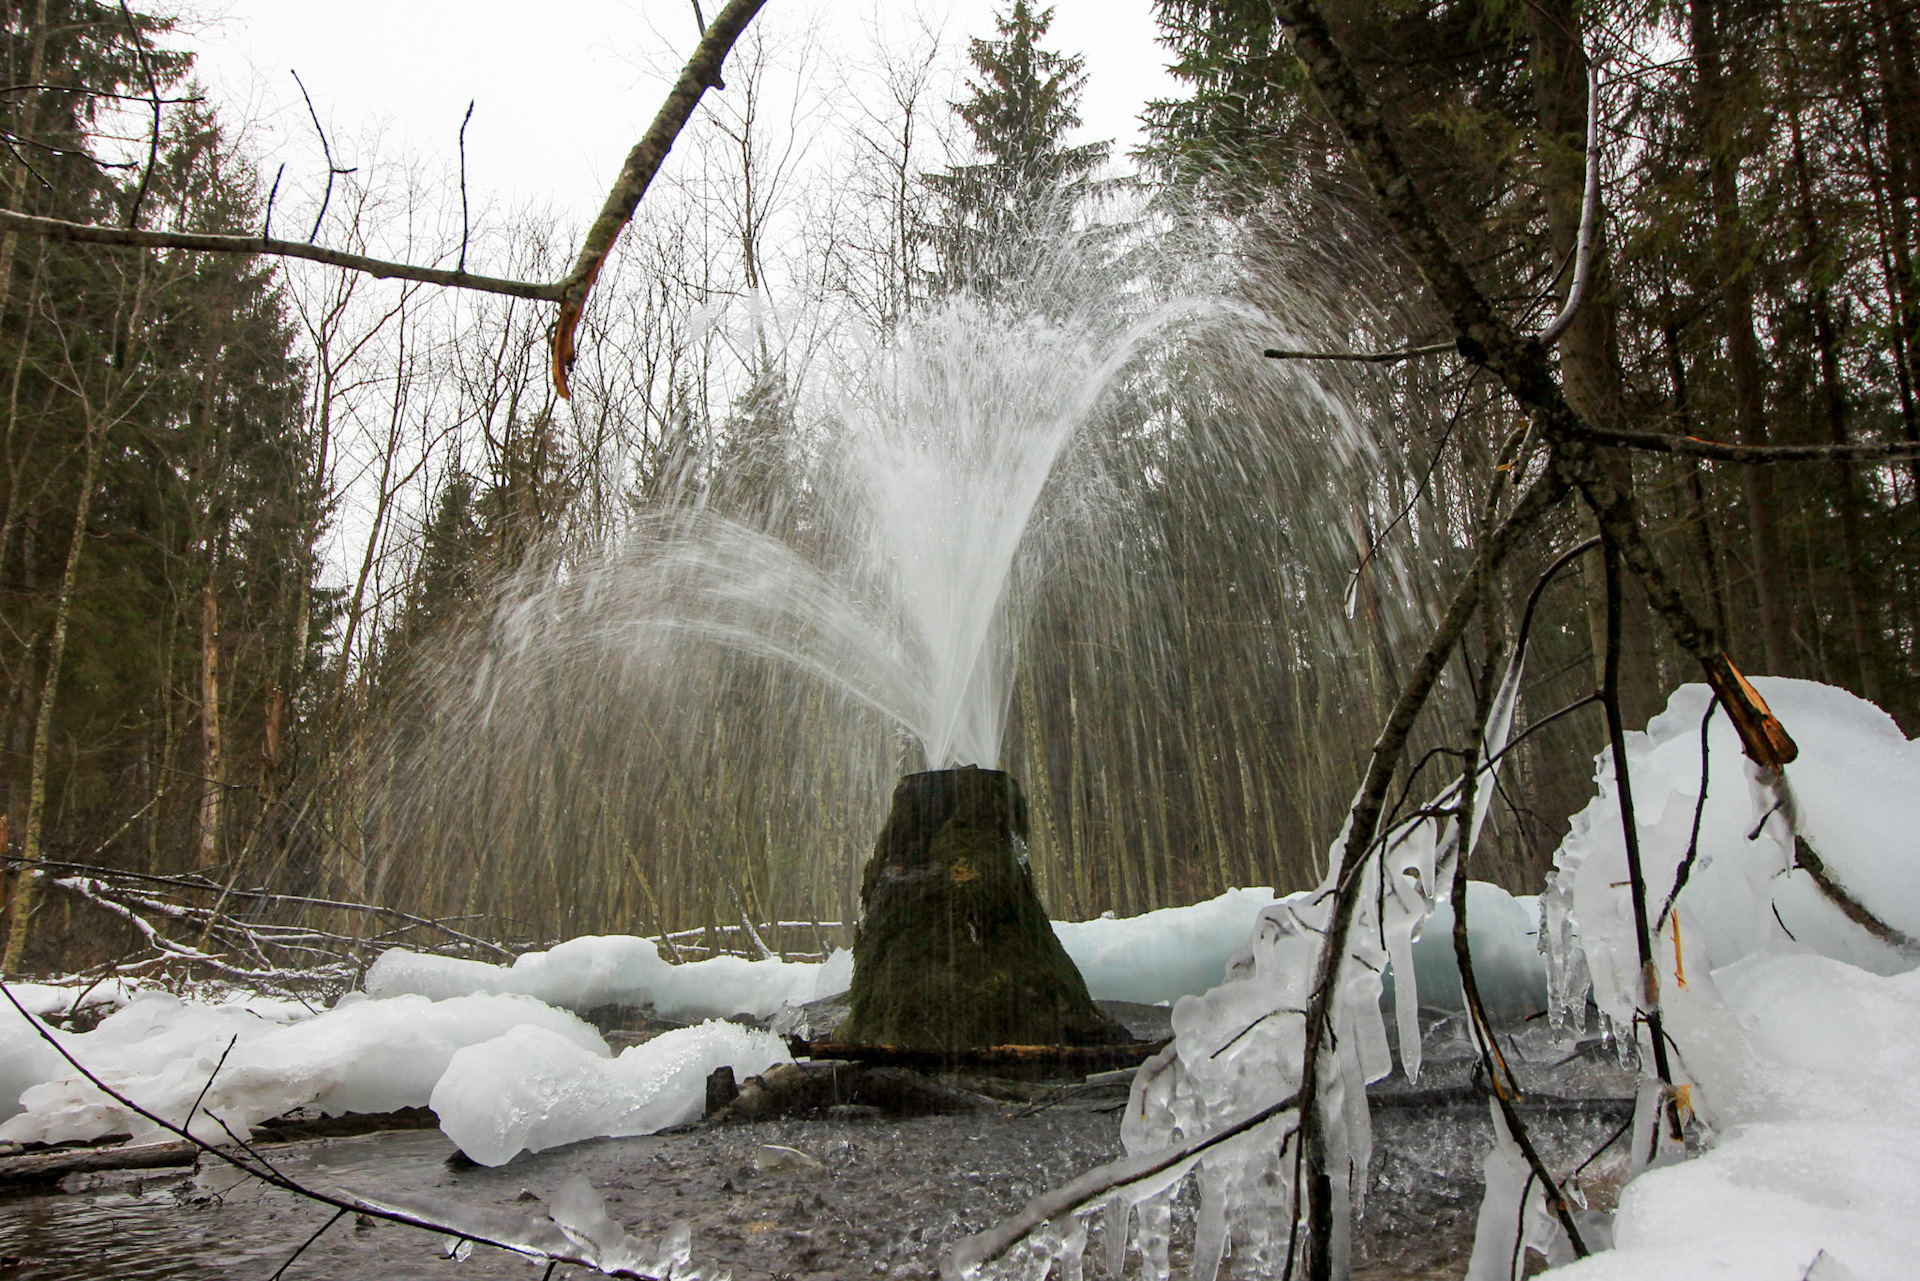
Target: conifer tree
(1027, 183)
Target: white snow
(529, 1089)
(1795, 1032)
(361, 1056)
(618, 969)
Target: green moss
(954, 949)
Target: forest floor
(849, 1194)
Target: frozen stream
(886, 1195)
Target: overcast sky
(563, 89)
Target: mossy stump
(953, 950)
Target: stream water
(867, 1198)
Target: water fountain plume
(1084, 533)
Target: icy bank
(619, 969)
(1794, 1031)
(1154, 958)
(1809, 1069)
(361, 1056)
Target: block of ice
(617, 969)
(1163, 955)
(362, 1056)
(529, 1090)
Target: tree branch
(1719, 451)
(91, 234)
(701, 73)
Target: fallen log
(1058, 1060)
(34, 1170)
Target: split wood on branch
(702, 72)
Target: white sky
(560, 98)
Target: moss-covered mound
(954, 950)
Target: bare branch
(88, 233)
(970, 1252)
(153, 138)
(326, 150)
(1719, 451)
(701, 73)
(1363, 357)
(464, 229)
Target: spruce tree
(1027, 183)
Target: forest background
(197, 681)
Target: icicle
(1210, 1229)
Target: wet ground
(866, 1197)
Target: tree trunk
(1590, 348)
(1745, 371)
(23, 896)
(212, 761)
(954, 950)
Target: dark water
(883, 1199)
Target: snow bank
(1161, 956)
(1854, 793)
(1795, 1032)
(530, 1089)
(1809, 1068)
(361, 1056)
(618, 969)
(1154, 958)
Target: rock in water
(954, 950)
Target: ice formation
(1853, 796)
(1795, 1032)
(619, 969)
(1153, 958)
(530, 1089)
(361, 1056)
(1236, 1058)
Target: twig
(1751, 455)
(1859, 913)
(1685, 869)
(463, 184)
(970, 1252)
(1649, 999)
(1419, 492)
(301, 1249)
(201, 1097)
(326, 150)
(153, 138)
(266, 224)
(1363, 357)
